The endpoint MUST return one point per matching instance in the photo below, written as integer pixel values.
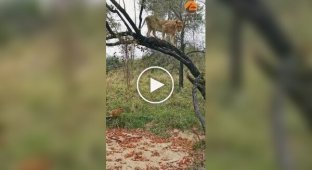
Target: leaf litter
(137, 149)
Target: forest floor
(139, 149)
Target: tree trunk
(181, 79)
(182, 48)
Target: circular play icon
(155, 85)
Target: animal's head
(179, 25)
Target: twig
(196, 51)
(120, 16)
(141, 11)
(113, 138)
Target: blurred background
(251, 122)
(52, 92)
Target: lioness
(169, 27)
(154, 24)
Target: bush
(112, 63)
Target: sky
(199, 37)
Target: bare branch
(120, 16)
(141, 11)
(114, 44)
(195, 103)
(121, 42)
(109, 29)
(195, 51)
(118, 35)
(125, 14)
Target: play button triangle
(154, 85)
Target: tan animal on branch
(153, 24)
(169, 27)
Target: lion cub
(116, 112)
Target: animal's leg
(168, 38)
(148, 33)
(163, 35)
(154, 33)
(172, 39)
(175, 40)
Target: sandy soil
(138, 150)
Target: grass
(176, 113)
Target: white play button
(154, 85)
(146, 85)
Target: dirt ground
(138, 149)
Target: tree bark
(182, 48)
(181, 76)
